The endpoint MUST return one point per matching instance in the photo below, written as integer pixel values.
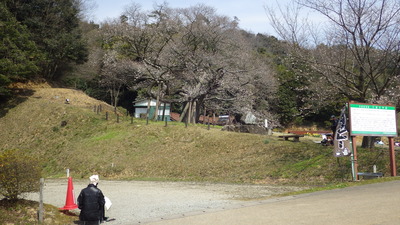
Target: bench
(370, 175)
(302, 132)
(296, 138)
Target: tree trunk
(199, 107)
(184, 111)
(213, 119)
(163, 112)
(115, 103)
(155, 118)
(189, 116)
(194, 112)
(148, 111)
(111, 96)
(204, 115)
(208, 122)
(368, 142)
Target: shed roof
(141, 103)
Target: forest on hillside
(203, 63)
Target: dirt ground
(139, 202)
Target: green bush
(19, 173)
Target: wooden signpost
(373, 120)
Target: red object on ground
(70, 199)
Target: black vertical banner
(341, 139)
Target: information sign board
(372, 120)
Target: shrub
(19, 173)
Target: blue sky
(251, 14)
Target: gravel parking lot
(139, 202)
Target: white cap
(94, 179)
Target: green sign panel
(372, 120)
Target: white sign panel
(372, 120)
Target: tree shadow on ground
(19, 95)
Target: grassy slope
(90, 144)
(25, 212)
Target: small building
(141, 109)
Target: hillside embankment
(78, 137)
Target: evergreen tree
(19, 55)
(54, 25)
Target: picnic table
(296, 137)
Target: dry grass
(25, 212)
(74, 136)
(89, 144)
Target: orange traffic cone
(70, 200)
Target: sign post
(354, 163)
(373, 120)
(392, 157)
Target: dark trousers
(90, 222)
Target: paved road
(375, 204)
(138, 202)
(164, 203)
